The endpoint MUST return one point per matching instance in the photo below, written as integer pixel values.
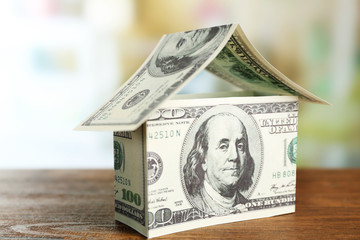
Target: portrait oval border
(255, 139)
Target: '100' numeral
(129, 196)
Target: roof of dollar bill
(179, 57)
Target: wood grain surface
(78, 204)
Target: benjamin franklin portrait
(219, 168)
(179, 51)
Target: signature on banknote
(283, 188)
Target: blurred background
(61, 59)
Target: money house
(190, 161)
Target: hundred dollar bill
(242, 65)
(205, 162)
(178, 57)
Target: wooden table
(78, 204)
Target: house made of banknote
(190, 161)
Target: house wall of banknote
(200, 162)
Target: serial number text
(164, 134)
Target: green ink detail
(131, 197)
(235, 64)
(119, 156)
(291, 151)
